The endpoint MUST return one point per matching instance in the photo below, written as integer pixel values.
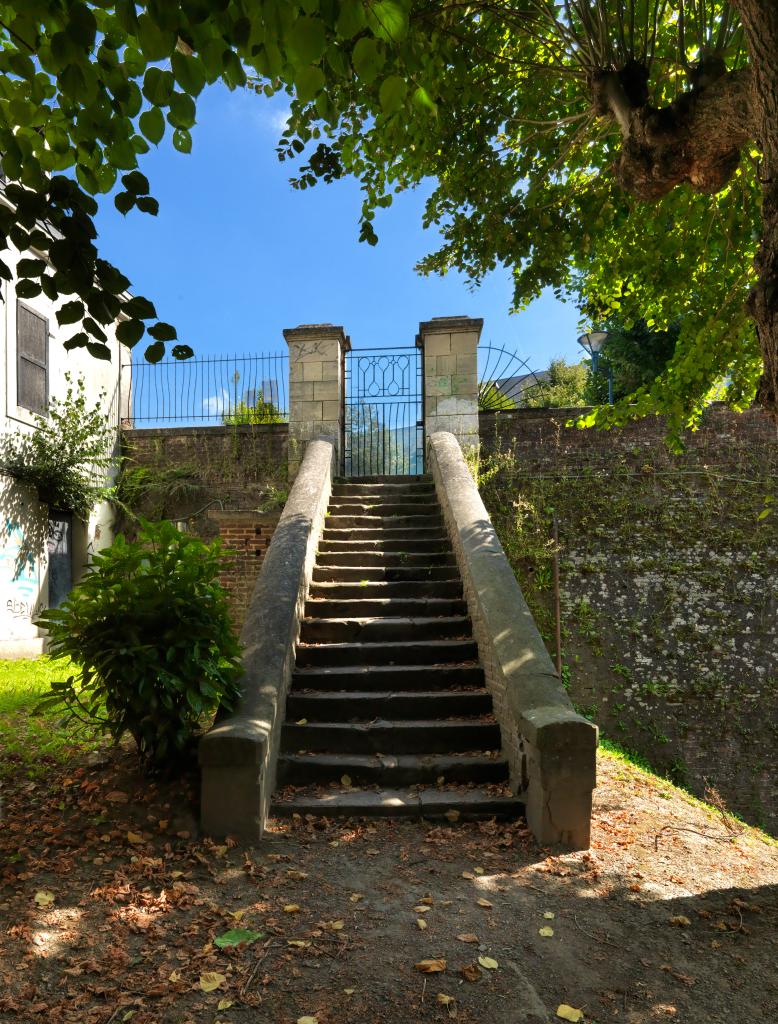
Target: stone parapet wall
(550, 748)
(246, 536)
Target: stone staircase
(388, 713)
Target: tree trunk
(760, 22)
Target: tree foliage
(605, 149)
(563, 387)
(636, 355)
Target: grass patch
(29, 742)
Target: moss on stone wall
(669, 575)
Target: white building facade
(33, 365)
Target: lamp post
(593, 344)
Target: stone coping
(555, 767)
(238, 755)
(214, 431)
(312, 332)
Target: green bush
(150, 634)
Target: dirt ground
(110, 904)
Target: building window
(32, 347)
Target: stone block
(326, 390)
(438, 385)
(445, 364)
(437, 345)
(301, 391)
(465, 384)
(312, 370)
(295, 371)
(331, 411)
(467, 363)
(464, 344)
(308, 411)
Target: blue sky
(236, 254)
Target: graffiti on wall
(20, 573)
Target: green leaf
(30, 267)
(392, 94)
(136, 183)
(139, 307)
(155, 352)
(306, 41)
(129, 332)
(351, 19)
(70, 313)
(152, 124)
(423, 100)
(147, 204)
(182, 110)
(308, 82)
(182, 352)
(388, 20)
(162, 331)
(188, 72)
(237, 937)
(182, 140)
(367, 59)
(158, 86)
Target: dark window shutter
(32, 347)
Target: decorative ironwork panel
(214, 390)
(383, 423)
(505, 380)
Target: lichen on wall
(669, 576)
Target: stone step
(386, 480)
(386, 509)
(390, 770)
(383, 630)
(421, 496)
(370, 522)
(379, 545)
(461, 805)
(422, 652)
(382, 573)
(390, 534)
(423, 607)
(433, 736)
(384, 589)
(410, 678)
(399, 559)
(365, 705)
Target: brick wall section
(229, 482)
(246, 537)
(543, 440)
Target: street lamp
(593, 344)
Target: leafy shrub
(150, 633)
(67, 456)
(243, 414)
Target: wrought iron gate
(383, 421)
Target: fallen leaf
(445, 1000)
(345, 780)
(484, 903)
(569, 1013)
(478, 871)
(175, 976)
(117, 797)
(468, 875)
(301, 721)
(427, 901)
(355, 897)
(430, 966)
(298, 876)
(546, 932)
(467, 937)
(224, 1004)
(549, 916)
(236, 937)
(237, 914)
(488, 963)
(349, 991)
(421, 909)
(680, 921)
(452, 815)
(292, 908)
(134, 837)
(211, 980)
(44, 898)
(421, 924)
(336, 925)
(307, 1020)
(470, 972)
(298, 943)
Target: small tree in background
(244, 414)
(637, 355)
(563, 388)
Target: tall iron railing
(213, 390)
(505, 380)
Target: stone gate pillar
(316, 353)
(450, 350)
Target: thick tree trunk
(760, 21)
(696, 139)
